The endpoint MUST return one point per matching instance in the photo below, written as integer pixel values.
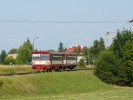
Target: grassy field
(114, 94)
(11, 69)
(61, 86)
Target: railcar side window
(71, 57)
(57, 57)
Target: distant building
(13, 55)
(79, 58)
(75, 49)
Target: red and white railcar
(45, 61)
(70, 60)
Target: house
(13, 55)
(75, 49)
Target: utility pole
(89, 57)
(34, 41)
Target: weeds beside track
(38, 72)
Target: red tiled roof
(74, 49)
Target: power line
(40, 21)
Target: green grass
(116, 94)
(61, 86)
(11, 69)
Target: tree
(13, 51)
(50, 50)
(95, 48)
(101, 45)
(116, 64)
(24, 53)
(94, 51)
(61, 48)
(122, 47)
(96, 44)
(109, 68)
(2, 56)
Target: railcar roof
(40, 52)
(46, 52)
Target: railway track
(28, 73)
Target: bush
(115, 65)
(9, 60)
(81, 63)
(110, 69)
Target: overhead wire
(41, 21)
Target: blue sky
(13, 34)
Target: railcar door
(57, 61)
(71, 61)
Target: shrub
(82, 63)
(9, 60)
(116, 64)
(110, 69)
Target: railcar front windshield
(35, 56)
(42, 57)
